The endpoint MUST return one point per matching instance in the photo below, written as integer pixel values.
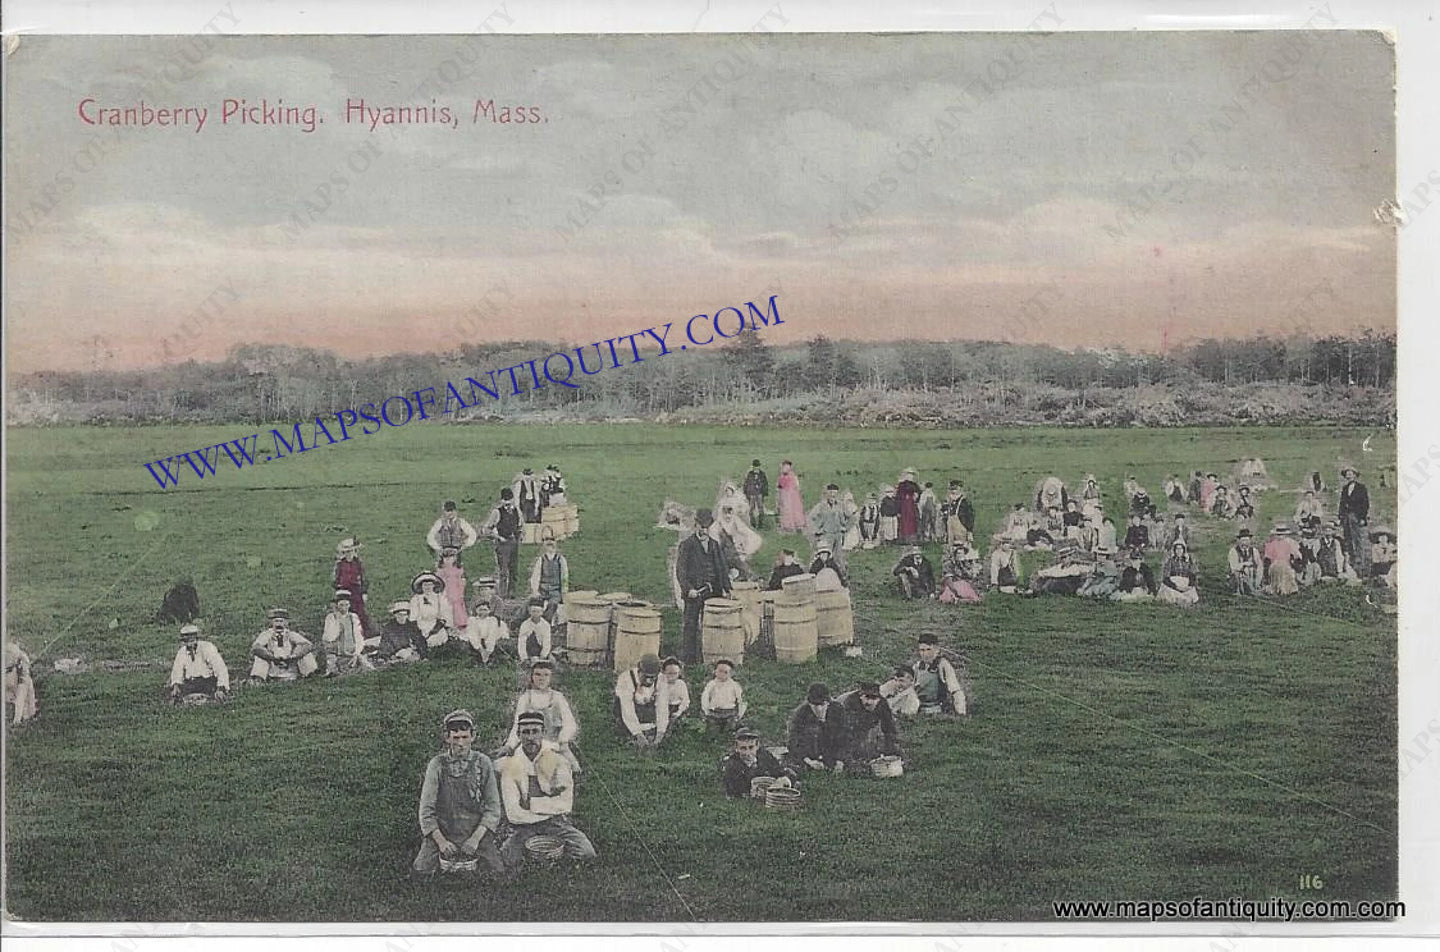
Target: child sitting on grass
(723, 700)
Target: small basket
(461, 864)
(759, 786)
(196, 699)
(782, 798)
(545, 849)
(887, 766)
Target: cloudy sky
(1148, 187)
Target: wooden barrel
(613, 597)
(799, 586)
(796, 636)
(530, 533)
(722, 631)
(637, 633)
(834, 620)
(572, 522)
(587, 629)
(584, 593)
(556, 520)
(748, 595)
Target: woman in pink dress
(453, 575)
(907, 493)
(791, 506)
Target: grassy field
(1116, 752)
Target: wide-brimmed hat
(1347, 470)
(346, 545)
(1243, 534)
(342, 593)
(823, 548)
(1380, 532)
(427, 577)
(484, 581)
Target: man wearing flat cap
(537, 788)
(281, 654)
(459, 802)
(749, 760)
(638, 713)
(701, 572)
(1354, 518)
(816, 731)
(870, 729)
(198, 668)
(756, 488)
(833, 578)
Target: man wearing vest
(550, 577)
(1354, 517)
(459, 803)
(757, 487)
(450, 529)
(700, 570)
(936, 682)
(504, 527)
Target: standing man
(700, 570)
(1354, 517)
(198, 669)
(450, 529)
(537, 788)
(503, 526)
(459, 802)
(550, 577)
(829, 522)
(757, 487)
(527, 495)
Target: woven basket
(462, 864)
(887, 766)
(545, 849)
(759, 786)
(782, 798)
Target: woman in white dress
(732, 514)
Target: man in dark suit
(700, 570)
(757, 486)
(1354, 517)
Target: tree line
(262, 383)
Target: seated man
(899, 692)
(749, 760)
(1245, 506)
(343, 638)
(538, 791)
(637, 715)
(198, 668)
(816, 731)
(560, 725)
(940, 687)
(1104, 578)
(1137, 582)
(281, 654)
(400, 639)
(20, 686)
(459, 802)
(1065, 575)
(914, 575)
(829, 576)
(869, 725)
(785, 568)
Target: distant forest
(923, 383)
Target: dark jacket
(925, 573)
(781, 573)
(737, 774)
(696, 568)
(1355, 501)
(756, 483)
(810, 737)
(831, 564)
(860, 722)
(1132, 578)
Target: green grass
(1138, 752)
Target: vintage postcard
(767, 476)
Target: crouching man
(537, 788)
(198, 669)
(459, 803)
(748, 761)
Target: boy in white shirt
(674, 692)
(723, 700)
(485, 630)
(534, 636)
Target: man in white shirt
(637, 713)
(281, 654)
(485, 630)
(533, 638)
(343, 638)
(537, 788)
(198, 668)
(450, 529)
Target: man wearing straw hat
(701, 572)
(756, 488)
(459, 802)
(749, 760)
(281, 654)
(537, 788)
(1246, 577)
(198, 668)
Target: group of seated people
(1291, 560)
